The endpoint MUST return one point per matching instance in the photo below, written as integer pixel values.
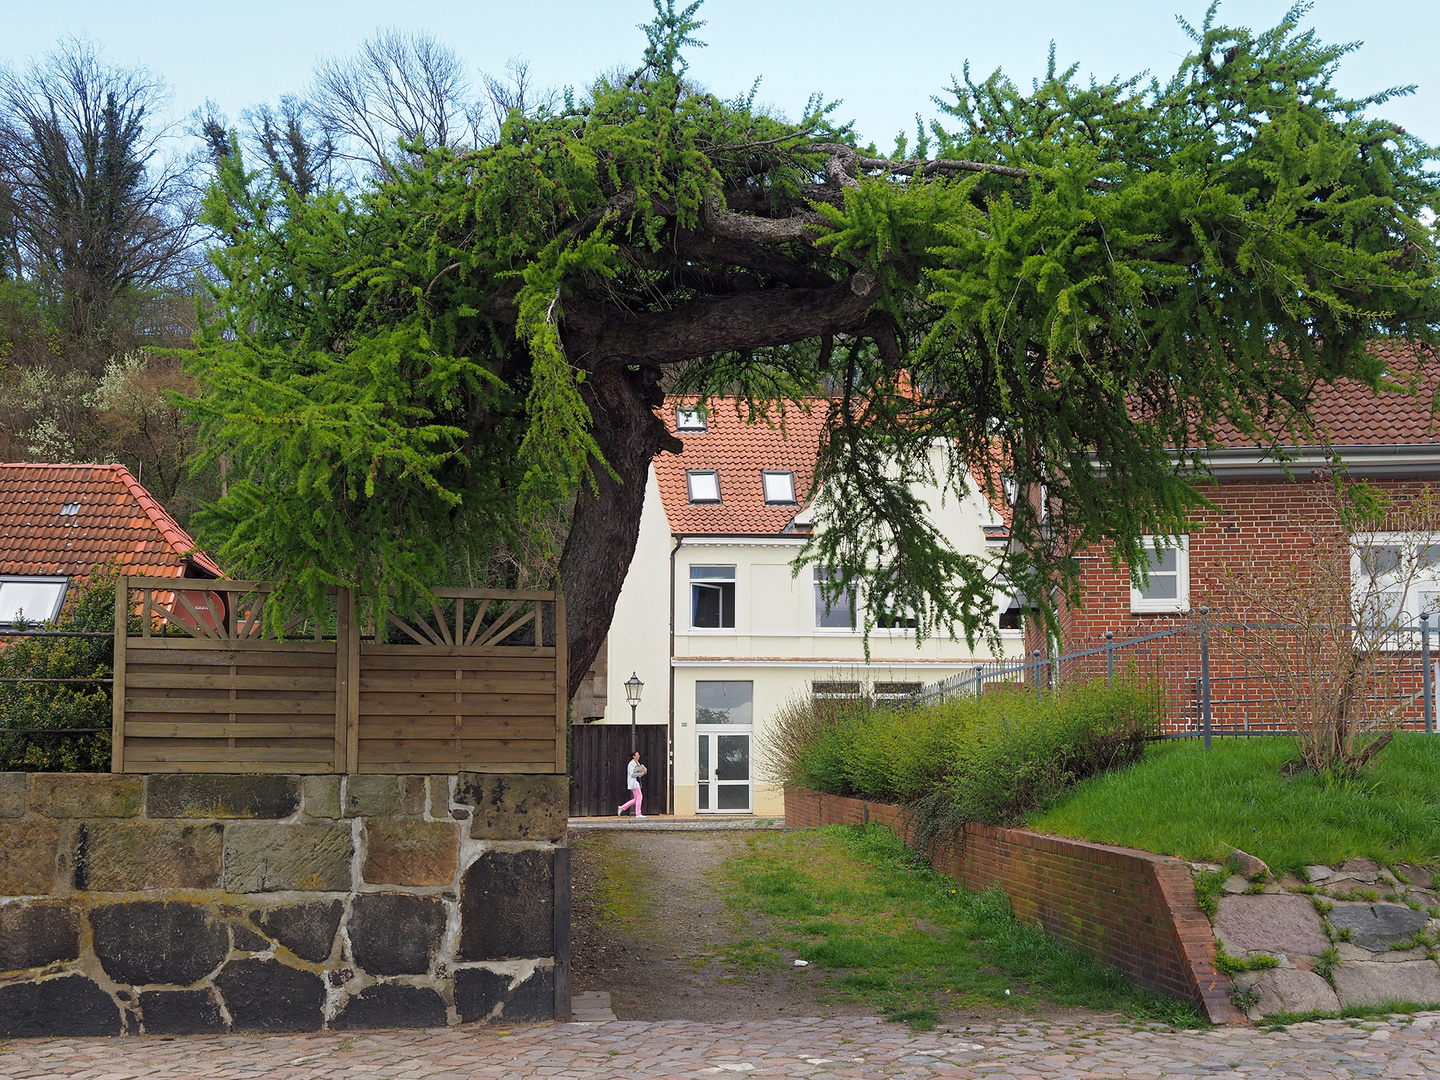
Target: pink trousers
(635, 802)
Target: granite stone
(372, 795)
(218, 795)
(481, 994)
(1377, 927)
(247, 940)
(507, 906)
(154, 941)
(322, 796)
(391, 1005)
(1287, 990)
(12, 794)
(140, 855)
(306, 929)
(71, 1005)
(270, 858)
(265, 995)
(1270, 924)
(180, 1012)
(400, 851)
(1413, 981)
(396, 933)
(515, 806)
(33, 935)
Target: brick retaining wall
(1130, 909)
(185, 903)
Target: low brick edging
(180, 903)
(1129, 909)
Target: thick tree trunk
(604, 529)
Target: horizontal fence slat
(392, 659)
(475, 705)
(223, 753)
(164, 729)
(538, 682)
(206, 680)
(501, 727)
(214, 648)
(312, 706)
(403, 655)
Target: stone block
(515, 806)
(307, 930)
(12, 794)
(507, 906)
(1412, 981)
(396, 933)
(322, 796)
(180, 1012)
(1376, 927)
(154, 941)
(1287, 990)
(265, 995)
(390, 1005)
(439, 785)
(1346, 951)
(71, 1005)
(481, 994)
(412, 796)
(271, 858)
(27, 857)
(1248, 865)
(1270, 924)
(1417, 876)
(86, 795)
(246, 940)
(1360, 865)
(33, 935)
(372, 795)
(403, 851)
(218, 795)
(138, 855)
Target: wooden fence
(202, 685)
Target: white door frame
(709, 785)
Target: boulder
(1377, 927)
(306, 929)
(481, 994)
(1371, 984)
(265, 995)
(1270, 924)
(154, 941)
(71, 1005)
(396, 933)
(180, 1012)
(390, 1005)
(1287, 990)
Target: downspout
(670, 663)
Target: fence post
(1039, 690)
(1427, 687)
(1109, 657)
(1205, 673)
(117, 685)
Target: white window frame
(789, 477)
(1426, 580)
(818, 600)
(38, 579)
(691, 475)
(718, 583)
(691, 420)
(1140, 604)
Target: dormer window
(69, 509)
(690, 419)
(779, 486)
(703, 485)
(33, 599)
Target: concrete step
(591, 1007)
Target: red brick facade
(1129, 909)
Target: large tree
(1055, 286)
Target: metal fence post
(1039, 695)
(1427, 687)
(1109, 657)
(1205, 673)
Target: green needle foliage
(462, 355)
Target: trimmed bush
(992, 758)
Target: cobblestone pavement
(1397, 1046)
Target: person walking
(633, 772)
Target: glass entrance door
(723, 781)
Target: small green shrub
(1208, 887)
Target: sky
(883, 60)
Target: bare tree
(400, 87)
(99, 214)
(512, 92)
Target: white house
(714, 621)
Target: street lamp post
(633, 686)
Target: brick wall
(1129, 909)
(184, 903)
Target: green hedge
(992, 758)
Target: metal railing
(1209, 677)
(25, 742)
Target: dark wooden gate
(597, 777)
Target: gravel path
(636, 1050)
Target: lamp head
(633, 686)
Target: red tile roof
(117, 518)
(1349, 413)
(739, 451)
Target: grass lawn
(890, 932)
(1181, 800)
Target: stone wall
(1131, 910)
(184, 903)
